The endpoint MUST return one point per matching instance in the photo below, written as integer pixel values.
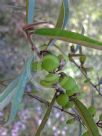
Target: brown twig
(77, 117)
(28, 29)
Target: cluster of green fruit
(51, 63)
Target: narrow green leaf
(62, 18)
(8, 90)
(30, 7)
(86, 117)
(68, 36)
(66, 12)
(63, 15)
(8, 93)
(19, 89)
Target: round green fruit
(50, 63)
(62, 99)
(68, 105)
(52, 78)
(45, 83)
(74, 90)
(68, 83)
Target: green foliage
(62, 99)
(69, 36)
(14, 92)
(50, 80)
(86, 117)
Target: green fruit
(50, 63)
(68, 105)
(45, 83)
(68, 83)
(75, 89)
(52, 78)
(62, 99)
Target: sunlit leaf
(87, 118)
(68, 36)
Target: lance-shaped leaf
(19, 89)
(86, 117)
(63, 15)
(62, 18)
(30, 7)
(68, 36)
(7, 94)
(66, 12)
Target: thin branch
(94, 86)
(46, 117)
(77, 117)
